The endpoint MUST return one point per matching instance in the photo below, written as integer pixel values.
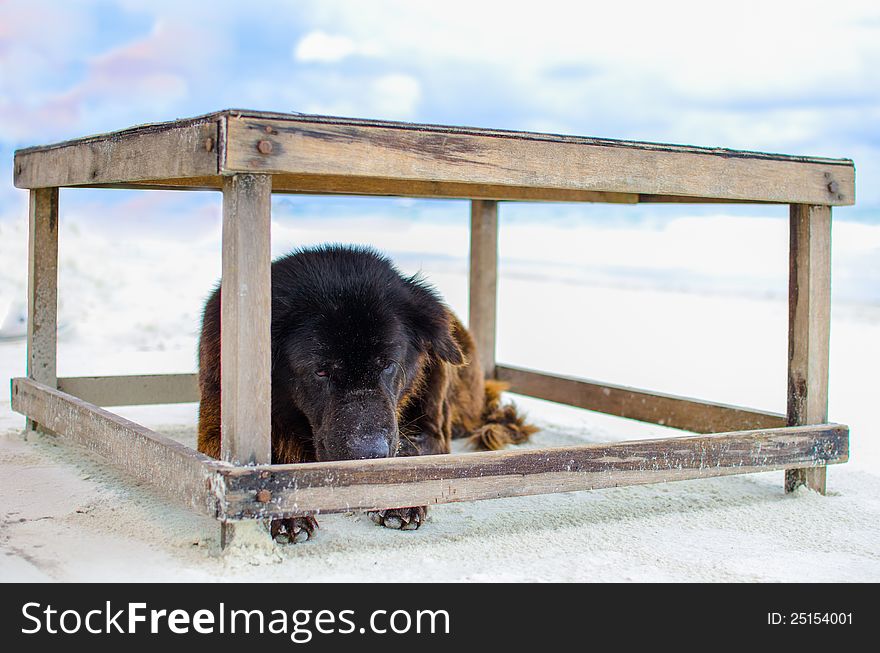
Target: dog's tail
(501, 423)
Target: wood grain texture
(287, 184)
(245, 334)
(678, 199)
(483, 281)
(367, 186)
(133, 390)
(348, 185)
(809, 327)
(42, 285)
(221, 117)
(42, 328)
(643, 405)
(427, 480)
(246, 304)
(326, 154)
(180, 473)
(165, 151)
(484, 157)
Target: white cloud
(646, 68)
(396, 96)
(709, 51)
(325, 48)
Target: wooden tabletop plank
(166, 152)
(323, 153)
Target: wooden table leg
(809, 319)
(245, 346)
(42, 288)
(484, 280)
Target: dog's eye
(322, 373)
(388, 366)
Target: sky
(797, 78)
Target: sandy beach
(132, 306)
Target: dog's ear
(446, 347)
(430, 325)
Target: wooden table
(248, 155)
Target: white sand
(67, 517)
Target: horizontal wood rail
(425, 480)
(642, 405)
(231, 492)
(180, 473)
(133, 390)
(168, 150)
(338, 155)
(288, 184)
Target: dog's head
(355, 337)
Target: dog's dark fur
(366, 363)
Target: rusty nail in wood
(209, 144)
(833, 187)
(264, 474)
(264, 496)
(267, 129)
(265, 147)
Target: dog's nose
(372, 448)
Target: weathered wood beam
(164, 151)
(402, 154)
(809, 328)
(286, 490)
(678, 199)
(284, 184)
(180, 473)
(483, 281)
(42, 329)
(366, 186)
(642, 405)
(245, 334)
(133, 390)
(325, 154)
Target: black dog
(366, 363)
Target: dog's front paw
(404, 519)
(293, 530)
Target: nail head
(264, 147)
(264, 496)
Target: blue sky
(800, 78)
